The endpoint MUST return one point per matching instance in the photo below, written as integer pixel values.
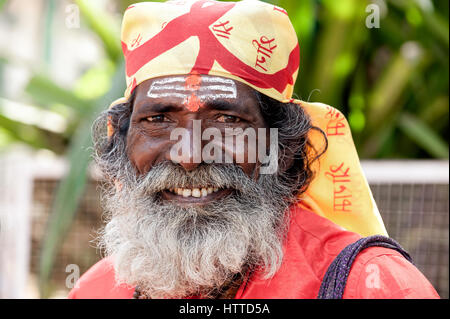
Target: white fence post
(16, 186)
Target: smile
(195, 194)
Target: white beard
(173, 251)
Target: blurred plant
(388, 80)
(391, 82)
(85, 101)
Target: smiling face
(164, 104)
(181, 227)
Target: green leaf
(423, 135)
(31, 135)
(45, 92)
(438, 27)
(338, 44)
(384, 97)
(435, 110)
(96, 81)
(72, 186)
(104, 26)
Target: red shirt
(312, 244)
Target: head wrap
(255, 43)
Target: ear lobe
(110, 128)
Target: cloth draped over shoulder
(255, 43)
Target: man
(219, 185)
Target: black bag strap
(335, 279)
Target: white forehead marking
(225, 88)
(166, 94)
(202, 88)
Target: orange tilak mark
(192, 83)
(193, 103)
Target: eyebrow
(223, 105)
(159, 108)
(220, 105)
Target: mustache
(168, 175)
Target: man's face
(164, 104)
(184, 227)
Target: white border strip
(406, 171)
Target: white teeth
(196, 192)
(186, 192)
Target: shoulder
(382, 273)
(377, 272)
(99, 283)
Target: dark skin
(153, 119)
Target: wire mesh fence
(415, 214)
(77, 248)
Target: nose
(187, 151)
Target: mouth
(195, 195)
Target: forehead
(176, 89)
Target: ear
(109, 128)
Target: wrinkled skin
(154, 117)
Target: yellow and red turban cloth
(254, 43)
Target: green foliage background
(391, 82)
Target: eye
(157, 118)
(224, 118)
